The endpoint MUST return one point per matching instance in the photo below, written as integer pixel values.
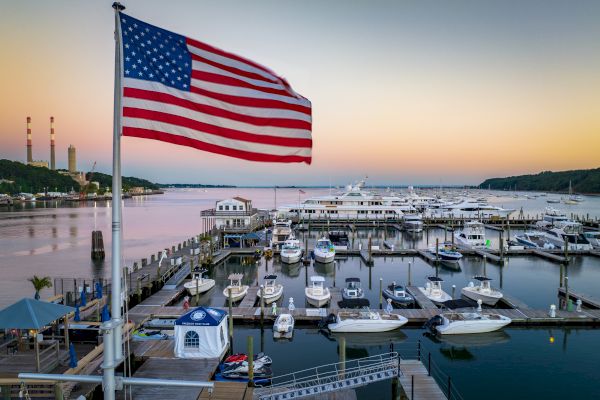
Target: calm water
(53, 241)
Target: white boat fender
(291, 305)
(578, 305)
(552, 311)
(479, 302)
(389, 308)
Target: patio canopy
(31, 314)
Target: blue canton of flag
(154, 54)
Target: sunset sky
(421, 92)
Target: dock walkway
(425, 386)
(586, 300)
(421, 300)
(250, 299)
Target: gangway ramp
(331, 378)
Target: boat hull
(236, 295)
(324, 258)
(291, 258)
(204, 287)
(403, 301)
(270, 298)
(470, 327)
(317, 300)
(437, 299)
(366, 326)
(487, 299)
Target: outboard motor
(330, 319)
(433, 322)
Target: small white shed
(201, 333)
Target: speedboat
(593, 238)
(272, 290)
(283, 326)
(339, 239)
(352, 290)
(472, 235)
(364, 321)
(198, 284)
(533, 240)
(433, 290)
(412, 223)
(398, 295)
(291, 252)
(483, 291)
(324, 251)
(446, 253)
(456, 323)
(282, 229)
(569, 233)
(238, 291)
(317, 294)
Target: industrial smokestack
(52, 157)
(29, 151)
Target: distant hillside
(28, 179)
(128, 182)
(583, 181)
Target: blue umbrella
(83, 297)
(77, 317)
(72, 356)
(105, 315)
(98, 290)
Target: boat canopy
(435, 279)
(317, 279)
(235, 277)
(352, 279)
(270, 277)
(482, 278)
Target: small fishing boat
(317, 294)
(352, 289)
(283, 326)
(483, 291)
(291, 252)
(324, 251)
(398, 295)
(272, 290)
(433, 290)
(364, 321)
(456, 323)
(198, 284)
(446, 252)
(238, 291)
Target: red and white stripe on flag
(182, 91)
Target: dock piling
(380, 293)
(342, 349)
(230, 320)
(262, 305)
(409, 282)
(250, 361)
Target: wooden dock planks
(587, 300)
(421, 300)
(425, 387)
(250, 299)
(229, 391)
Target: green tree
(39, 284)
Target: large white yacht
(469, 208)
(282, 230)
(472, 235)
(355, 203)
(570, 232)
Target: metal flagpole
(113, 331)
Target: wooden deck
(421, 300)
(229, 391)
(549, 256)
(250, 299)
(586, 300)
(425, 387)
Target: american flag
(186, 92)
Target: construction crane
(83, 192)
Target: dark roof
(435, 279)
(482, 278)
(243, 200)
(352, 279)
(271, 277)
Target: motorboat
(339, 239)
(324, 251)
(271, 289)
(534, 240)
(433, 290)
(593, 238)
(569, 233)
(364, 321)
(553, 201)
(198, 284)
(317, 294)
(457, 323)
(353, 290)
(469, 208)
(291, 252)
(412, 223)
(283, 326)
(282, 229)
(238, 291)
(483, 291)
(446, 252)
(472, 235)
(551, 217)
(398, 295)
(239, 370)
